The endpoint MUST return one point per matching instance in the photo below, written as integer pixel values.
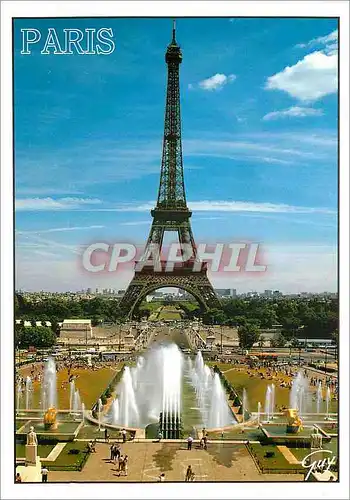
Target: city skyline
(259, 133)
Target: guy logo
(324, 464)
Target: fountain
(269, 401)
(19, 390)
(300, 396)
(211, 395)
(99, 409)
(29, 390)
(151, 391)
(244, 404)
(259, 412)
(319, 397)
(49, 385)
(328, 398)
(71, 394)
(76, 402)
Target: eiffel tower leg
(196, 284)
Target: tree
(38, 336)
(248, 334)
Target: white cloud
(294, 111)
(216, 82)
(315, 76)
(227, 206)
(60, 229)
(52, 204)
(330, 42)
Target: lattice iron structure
(171, 212)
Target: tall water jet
(19, 390)
(272, 401)
(259, 412)
(49, 385)
(99, 410)
(211, 395)
(128, 412)
(83, 412)
(71, 394)
(319, 397)
(29, 389)
(300, 396)
(268, 403)
(76, 402)
(151, 388)
(328, 398)
(244, 404)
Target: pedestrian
(161, 478)
(189, 473)
(125, 465)
(205, 441)
(112, 450)
(189, 442)
(160, 435)
(18, 478)
(44, 474)
(106, 435)
(119, 462)
(124, 435)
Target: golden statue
(50, 419)
(294, 422)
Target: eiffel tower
(171, 214)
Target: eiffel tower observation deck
(171, 213)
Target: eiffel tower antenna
(174, 29)
(171, 212)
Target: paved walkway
(222, 462)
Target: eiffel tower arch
(171, 213)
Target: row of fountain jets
(49, 391)
(155, 385)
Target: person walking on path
(189, 442)
(160, 436)
(205, 442)
(124, 435)
(161, 478)
(189, 473)
(112, 450)
(18, 478)
(106, 435)
(125, 465)
(44, 474)
(120, 460)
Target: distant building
(76, 328)
(267, 293)
(27, 323)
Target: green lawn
(43, 450)
(69, 461)
(276, 463)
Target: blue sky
(259, 114)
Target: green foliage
(57, 309)
(248, 334)
(38, 336)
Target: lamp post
(221, 338)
